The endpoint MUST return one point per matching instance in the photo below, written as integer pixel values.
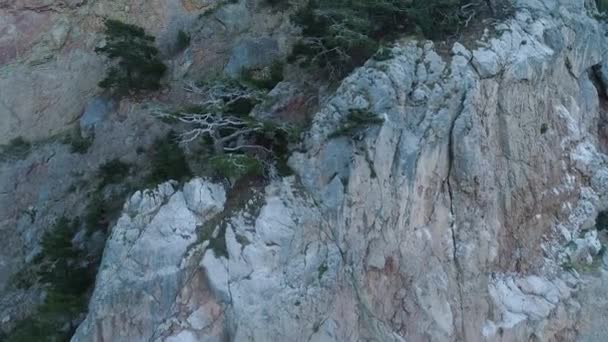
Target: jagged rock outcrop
(281, 261)
(450, 221)
(141, 264)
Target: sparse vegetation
(17, 148)
(32, 329)
(356, 121)
(322, 269)
(601, 222)
(78, 143)
(384, 53)
(602, 6)
(183, 40)
(235, 166)
(340, 35)
(218, 244)
(583, 266)
(67, 276)
(96, 214)
(112, 172)
(136, 66)
(266, 77)
(278, 3)
(167, 161)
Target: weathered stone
(95, 112)
(486, 63)
(204, 198)
(453, 219)
(250, 53)
(141, 264)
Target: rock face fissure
(453, 228)
(467, 214)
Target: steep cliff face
(49, 70)
(468, 214)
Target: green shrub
(277, 138)
(17, 148)
(384, 53)
(601, 222)
(235, 166)
(339, 35)
(168, 161)
(95, 217)
(23, 279)
(112, 172)
(321, 270)
(32, 329)
(58, 250)
(63, 271)
(102, 210)
(278, 3)
(77, 143)
(57, 242)
(183, 40)
(137, 66)
(264, 78)
(436, 18)
(356, 120)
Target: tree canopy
(136, 65)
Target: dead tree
(233, 136)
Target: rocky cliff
(468, 214)
(49, 70)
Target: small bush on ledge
(264, 78)
(236, 166)
(356, 121)
(183, 40)
(17, 148)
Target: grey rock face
(49, 71)
(450, 221)
(186, 287)
(249, 53)
(141, 263)
(52, 181)
(95, 112)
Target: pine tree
(137, 66)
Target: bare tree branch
(210, 117)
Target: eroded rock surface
(49, 70)
(468, 214)
(141, 262)
(453, 220)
